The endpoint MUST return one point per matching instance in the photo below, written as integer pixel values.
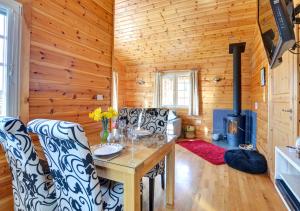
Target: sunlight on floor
(201, 186)
(182, 171)
(204, 205)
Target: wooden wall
(6, 199)
(259, 94)
(176, 35)
(70, 63)
(71, 60)
(212, 95)
(121, 70)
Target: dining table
(134, 161)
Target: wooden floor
(202, 186)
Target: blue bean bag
(246, 160)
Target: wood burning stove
(236, 122)
(235, 132)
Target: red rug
(212, 153)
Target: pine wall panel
(182, 35)
(212, 95)
(71, 60)
(122, 89)
(71, 48)
(259, 94)
(6, 197)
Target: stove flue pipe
(237, 49)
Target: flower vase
(104, 133)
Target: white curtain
(194, 100)
(157, 90)
(12, 11)
(115, 79)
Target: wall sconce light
(217, 79)
(140, 82)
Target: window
(115, 79)
(175, 89)
(2, 54)
(10, 12)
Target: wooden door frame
(25, 59)
(296, 87)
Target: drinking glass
(122, 126)
(132, 136)
(133, 139)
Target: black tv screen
(275, 19)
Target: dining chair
(131, 116)
(155, 120)
(78, 186)
(33, 189)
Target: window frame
(2, 64)
(175, 75)
(12, 61)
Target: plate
(107, 149)
(141, 132)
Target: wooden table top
(144, 148)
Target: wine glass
(122, 126)
(133, 139)
(132, 136)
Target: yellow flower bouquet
(103, 116)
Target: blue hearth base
(224, 144)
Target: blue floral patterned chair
(32, 188)
(78, 186)
(155, 120)
(131, 116)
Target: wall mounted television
(275, 20)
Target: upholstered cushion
(112, 195)
(155, 120)
(71, 165)
(59, 130)
(131, 116)
(246, 160)
(152, 119)
(32, 188)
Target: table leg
(132, 193)
(170, 174)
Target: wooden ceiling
(180, 31)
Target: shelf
(293, 183)
(290, 155)
(287, 196)
(287, 176)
